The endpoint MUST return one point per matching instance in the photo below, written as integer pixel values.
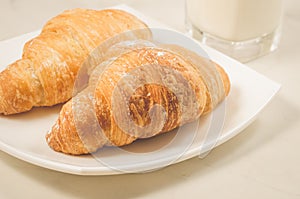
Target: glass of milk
(242, 29)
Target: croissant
(50, 62)
(144, 91)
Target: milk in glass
(235, 21)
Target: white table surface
(262, 162)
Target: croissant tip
(1, 102)
(52, 142)
(55, 144)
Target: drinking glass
(242, 29)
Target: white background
(262, 162)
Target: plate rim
(93, 170)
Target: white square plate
(23, 135)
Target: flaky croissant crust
(88, 121)
(50, 62)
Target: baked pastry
(144, 91)
(50, 62)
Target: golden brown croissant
(143, 92)
(50, 62)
